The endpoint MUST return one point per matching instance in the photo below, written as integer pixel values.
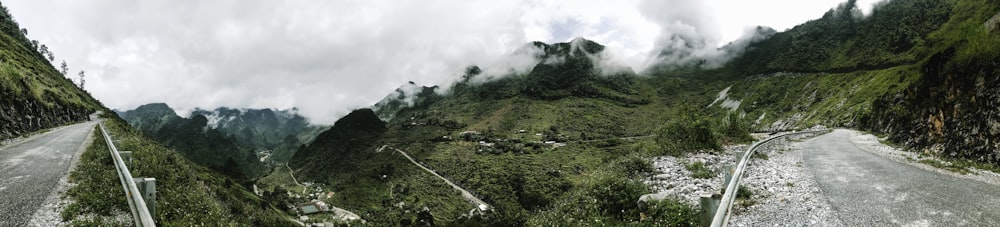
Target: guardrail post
(147, 186)
(126, 157)
(727, 172)
(137, 200)
(709, 204)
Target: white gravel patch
(873, 144)
(672, 180)
(784, 193)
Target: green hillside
(187, 194)
(922, 71)
(33, 94)
(843, 40)
(253, 139)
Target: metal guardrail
(136, 201)
(722, 213)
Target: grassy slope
(187, 194)
(23, 64)
(30, 85)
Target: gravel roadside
(784, 193)
(671, 179)
(873, 144)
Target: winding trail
(480, 204)
(293, 178)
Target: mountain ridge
(253, 139)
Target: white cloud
(328, 57)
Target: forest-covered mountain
(548, 146)
(244, 141)
(193, 138)
(276, 134)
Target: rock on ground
(671, 179)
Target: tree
(82, 81)
(24, 31)
(64, 69)
(44, 50)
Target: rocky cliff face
(21, 115)
(954, 111)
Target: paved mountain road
(868, 190)
(30, 170)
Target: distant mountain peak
(156, 109)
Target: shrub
(687, 134)
(669, 212)
(617, 196)
(634, 166)
(735, 128)
(699, 170)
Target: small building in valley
(313, 207)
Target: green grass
(187, 194)
(98, 190)
(759, 155)
(958, 165)
(699, 170)
(744, 197)
(946, 166)
(840, 99)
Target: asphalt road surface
(29, 171)
(868, 190)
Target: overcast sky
(329, 57)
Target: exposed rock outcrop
(21, 114)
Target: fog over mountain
(328, 57)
